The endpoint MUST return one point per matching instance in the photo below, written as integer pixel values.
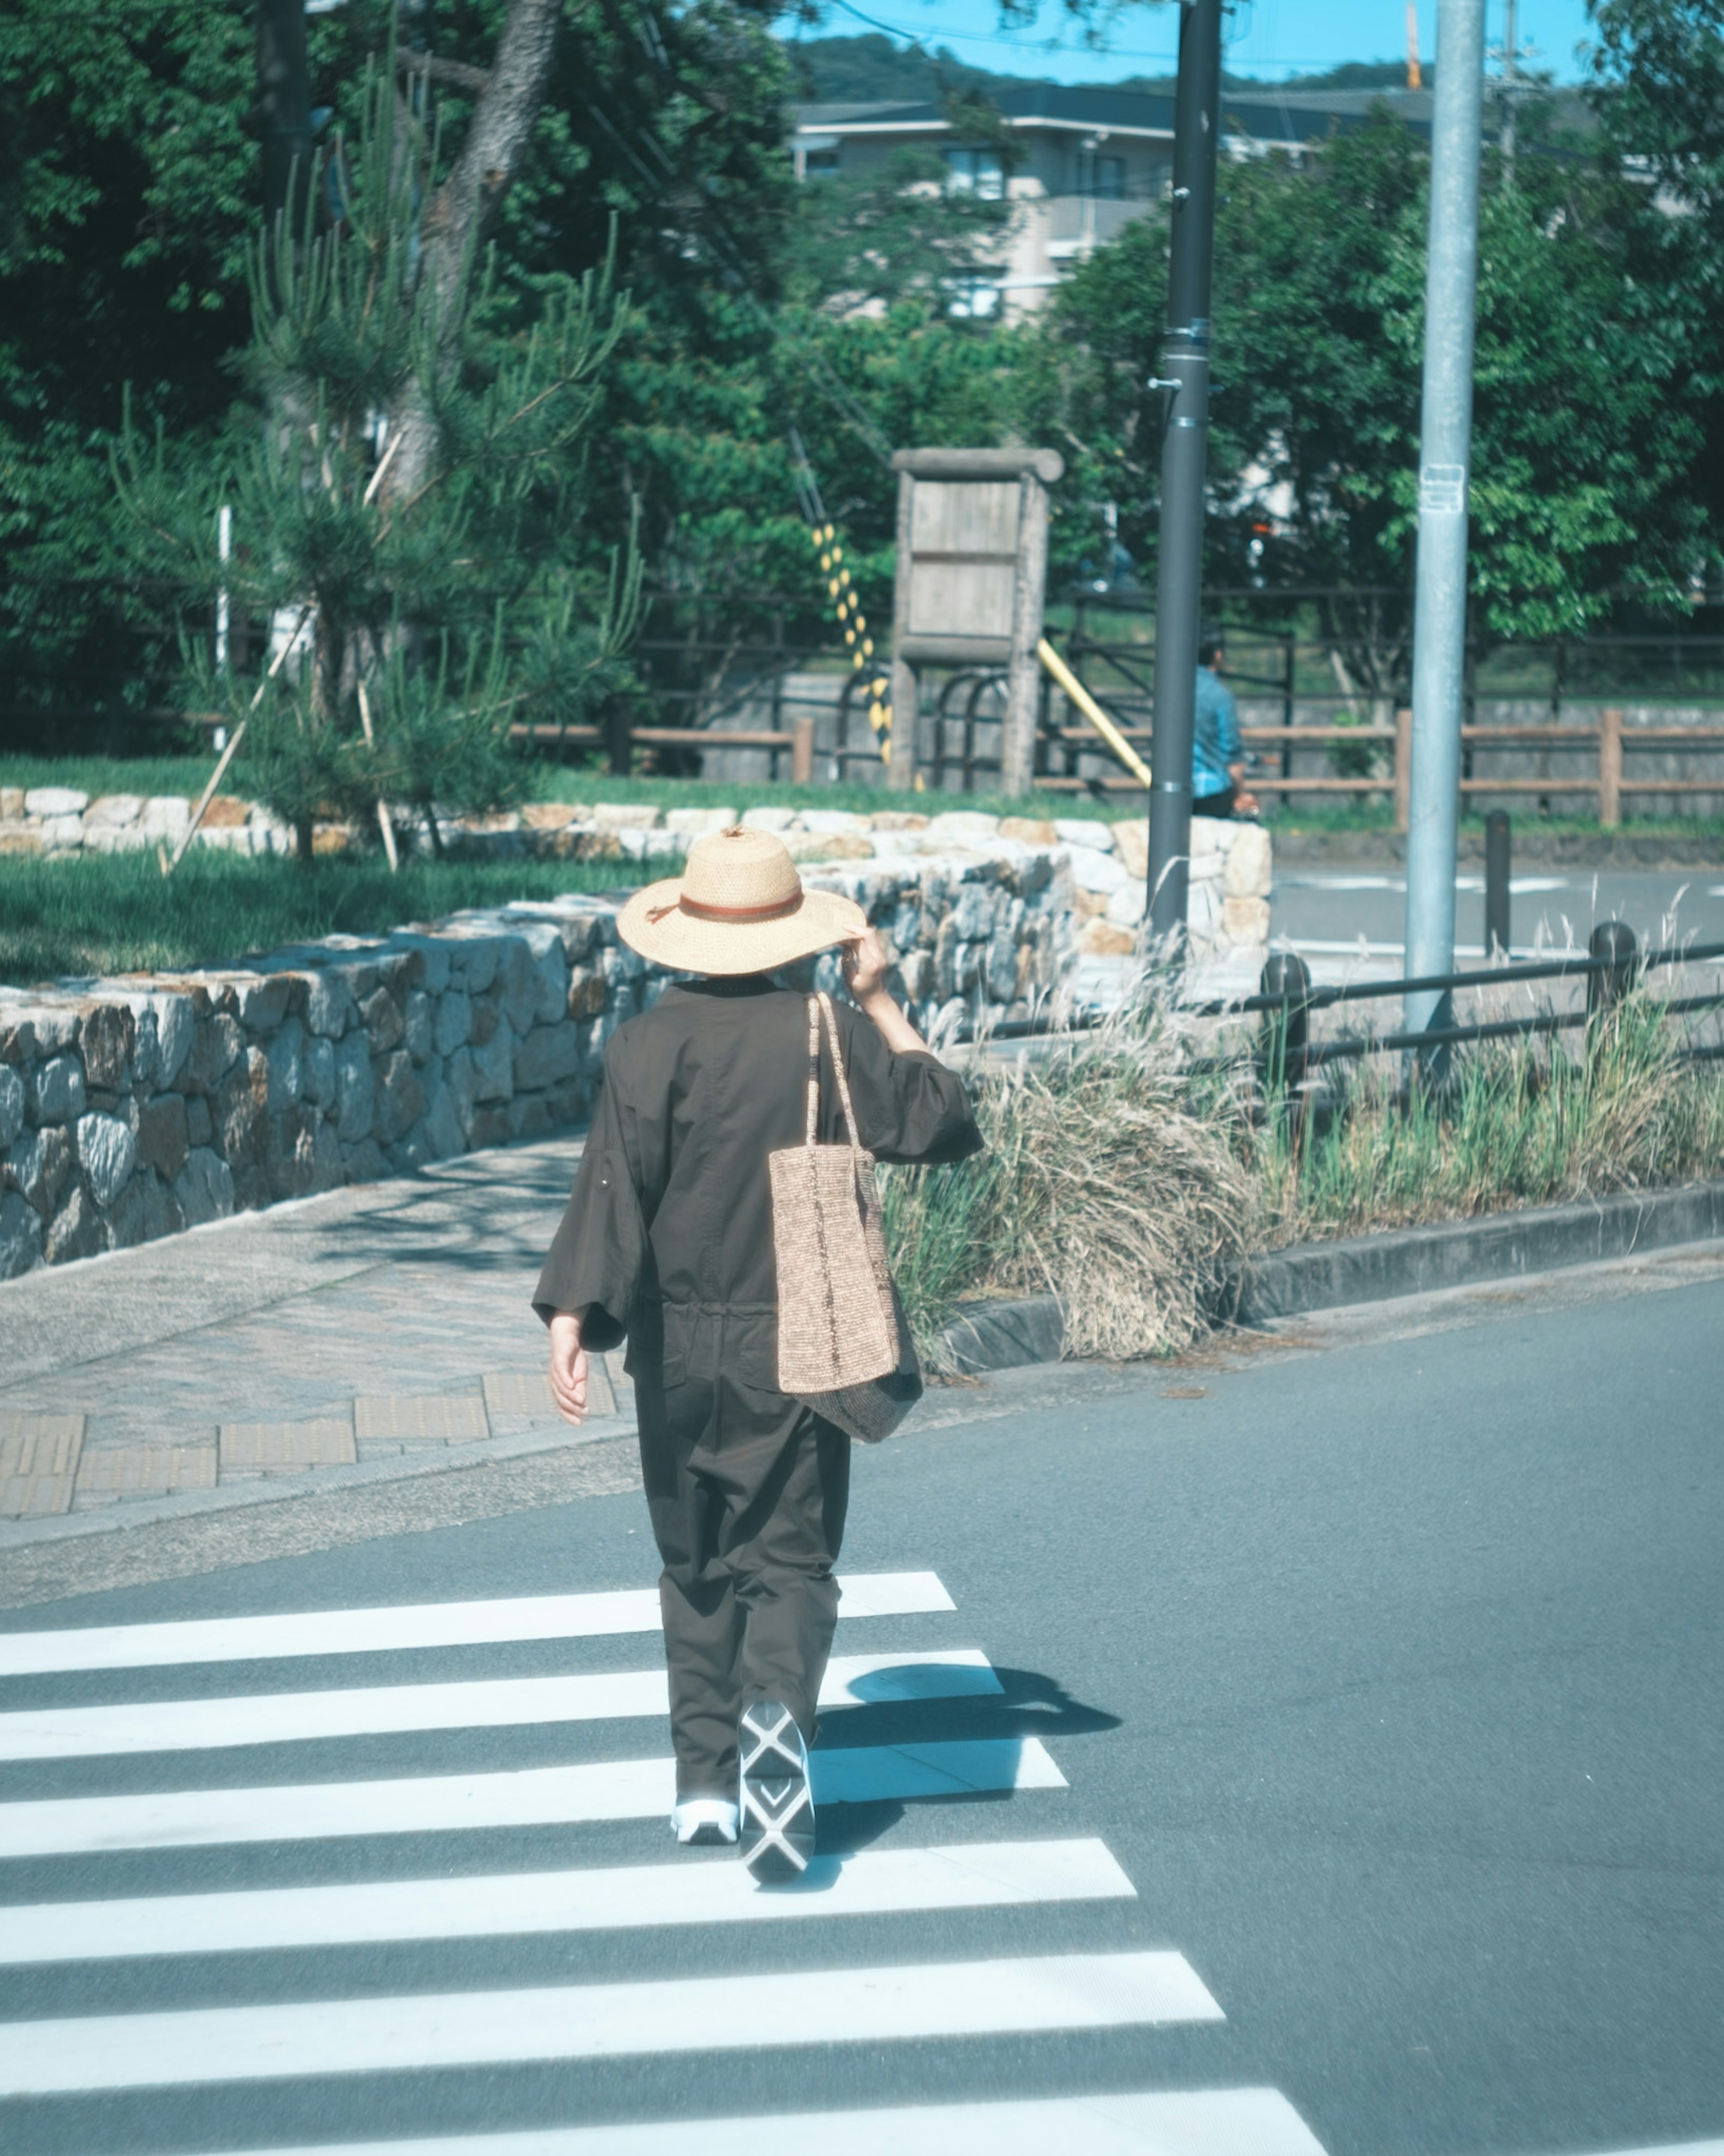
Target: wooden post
(900, 771)
(1022, 686)
(1403, 769)
(802, 751)
(1609, 769)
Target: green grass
(1128, 1185)
(1522, 1122)
(117, 913)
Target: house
(1089, 160)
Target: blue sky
(1266, 38)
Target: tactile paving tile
(38, 1464)
(284, 1448)
(526, 1394)
(456, 1418)
(146, 1470)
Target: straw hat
(738, 907)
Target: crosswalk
(337, 1952)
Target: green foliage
(1520, 1125)
(414, 602)
(889, 231)
(1586, 427)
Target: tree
(433, 617)
(1584, 432)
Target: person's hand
(866, 960)
(1246, 804)
(568, 1366)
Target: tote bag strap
(840, 1074)
(813, 1070)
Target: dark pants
(747, 1491)
(1214, 804)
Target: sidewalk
(370, 1333)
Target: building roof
(1267, 116)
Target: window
(819, 164)
(975, 173)
(1102, 178)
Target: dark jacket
(668, 1235)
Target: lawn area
(117, 913)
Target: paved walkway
(352, 1336)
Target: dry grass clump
(1128, 1185)
(1105, 1181)
(1522, 1122)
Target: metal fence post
(1496, 884)
(1284, 1056)
(1613, 942)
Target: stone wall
(132, 1108)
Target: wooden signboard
(972, 572)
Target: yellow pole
(1092, 711)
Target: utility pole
(283, 76)
(1185, 382)
(1445, 454)
(1509, 90)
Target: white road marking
(804, 2007)
(1255, 2122)
(877, 1881)
(296, 1717)
(425, 1624)
(536, 1796)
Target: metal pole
(1510, 91)
(1185, 379)
(1496, 884)
(1445, 441)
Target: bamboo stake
(385, 823)
(228, 753)
(376, 477)
(1092, 711)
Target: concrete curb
(1355, 1269)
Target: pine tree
(427, 618)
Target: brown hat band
(704, 911)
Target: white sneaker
(704, 1822)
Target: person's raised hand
(866, 962)
(568, 1366)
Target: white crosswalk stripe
(873, 1883)
(533, 1796)
(293, 1718)
(303, 2032)
(1245, 2122)
(416, 1625)
(602, 2022)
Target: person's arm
(865, 964)
(1233, 751)
(909, 1106)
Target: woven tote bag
(843, 1346)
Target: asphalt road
(1325, 911)
(1381, 1661)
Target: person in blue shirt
(1218, 755)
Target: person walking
(668, 1239)
(1218, 755)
